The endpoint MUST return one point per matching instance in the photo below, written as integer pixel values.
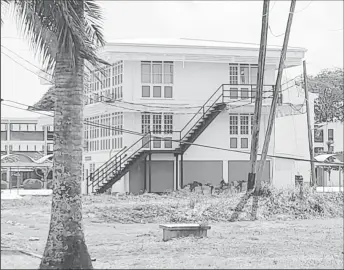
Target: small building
(328, 137)
(168, 112)
(24, 143)
(330, 172)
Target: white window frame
(161, 84)
(238, 67)
(239, 135)
(160, 124)
(239, 90)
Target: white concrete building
(328, 142)
(24, 141)
(328, 132)
(187, 91)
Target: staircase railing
(214, 98)
(95, 175)
(115, 164)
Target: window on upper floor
(318, 135)
(157, 79)
(242, 82)
(241, 74)
(330, 134)
(240, 130)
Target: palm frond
(3, 2)
(93, 21)
(37, 29)
(53, 25)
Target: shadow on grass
(240, 206)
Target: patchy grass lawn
(274, 243)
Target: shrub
(3, 184)
(33, 184)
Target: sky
(317, 26)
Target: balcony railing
(247, 93)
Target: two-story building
(172, 111)
(328, 137)
(328, 144)
(23, 143)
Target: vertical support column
(8, 178)
(45, 134)
(150, 174)
(8, 137)
(87, 183)
(309, 126)
(181, 171)
(225, 170)
(145, 174)
(177, 173)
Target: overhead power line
(194, 144)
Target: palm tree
(64, 34)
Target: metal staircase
(202, 119)
(115, 168)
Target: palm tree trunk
(65, 247)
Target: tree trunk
(65, 247)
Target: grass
(123, 231)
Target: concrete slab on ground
(8, 193)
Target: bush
(3, 184)
(33, 184)
(190, 207)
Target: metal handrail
(202, 109)
(127, 157)
(105, 165)
(106, 173)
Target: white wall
(217, 135)
(291, 140)
(194, 82)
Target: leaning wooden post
(272, 114)
(257, 112)
(259, 96)
(309, 127)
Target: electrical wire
(274, 34)
(194, 144)
(309, 3)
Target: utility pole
(259, 96)
(274, 101)
(257, 112)
(309, 127)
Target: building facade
(170, 112)
(328, 137)
(23, 141)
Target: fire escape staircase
(115, 168)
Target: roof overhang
(324, 158)
(196, 52)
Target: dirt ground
(260, 244)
